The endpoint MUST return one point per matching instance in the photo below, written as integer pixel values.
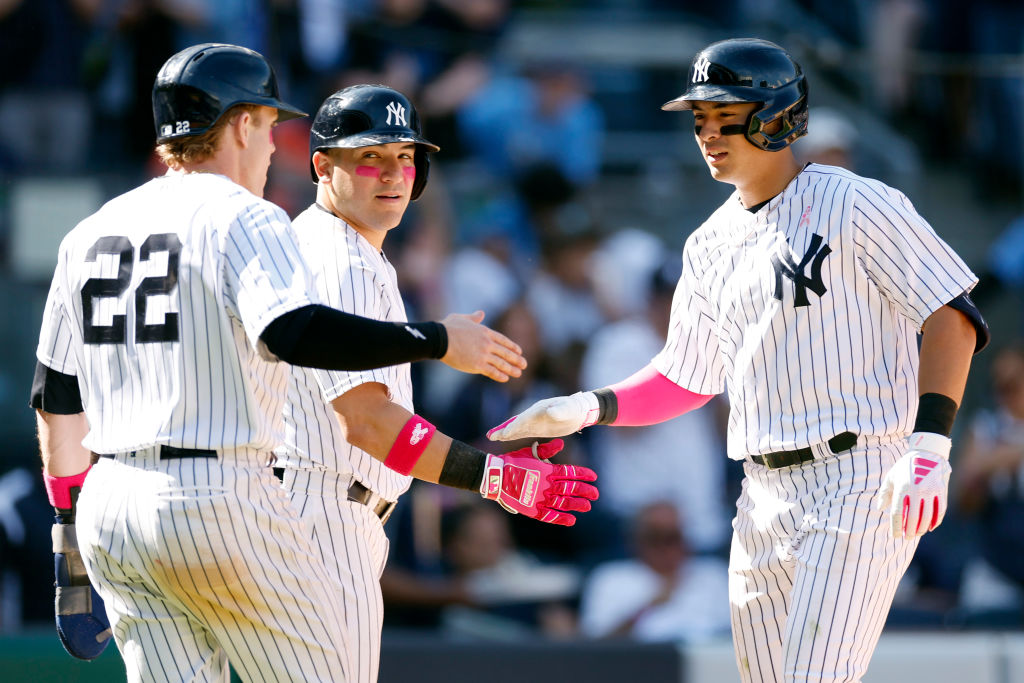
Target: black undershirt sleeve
(54, 392)
(322, 337)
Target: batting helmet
(364, 115)
(197, 85)
(751, 70)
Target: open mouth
(715, 157)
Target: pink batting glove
(915, 490)
(524, 482)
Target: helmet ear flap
(422, 162)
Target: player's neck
(768, 180)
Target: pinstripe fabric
(807, 312)
(813, 567)
(798, 375)
(207, 563)
(355, 549)
(239, 268)
(157, 305)
(351, 275)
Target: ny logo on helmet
(700, 70)
(398, 111)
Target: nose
(707, 130)
(391, 171)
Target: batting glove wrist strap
(933, 443)
(550, 418)
(80, 616)
(914, 492)
(523, 482)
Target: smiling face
(368, 187)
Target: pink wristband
(409, 446)
(58, 489)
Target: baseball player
(802, 296)
(352, 438)
(168, 313)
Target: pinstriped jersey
(352, 275)
(807, 310)
(157, 304)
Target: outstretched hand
(523, 481)
(477, 349)
(550, 417)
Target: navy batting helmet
(197, 85)
(751, 70)
(364, 115)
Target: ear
(323, 165)
(241, 127)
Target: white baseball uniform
(807, 311)
(157, 305)
(352, 275)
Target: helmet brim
(706, 93)
(379, 138)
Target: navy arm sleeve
(322, 337)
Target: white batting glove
(915, 490)
(549, 418)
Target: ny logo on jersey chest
(787, 267)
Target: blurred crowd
(509, 225)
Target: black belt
(357, 493)
(837, 444)
(171, 452)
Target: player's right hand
(916, 487)
(551, 417)
(523, 481)
(477, 349)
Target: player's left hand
(915, 490)
(477, 349)
(82, 622)
(524, 482)
(79, 612)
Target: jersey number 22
(104, 287)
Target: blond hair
(195, 149)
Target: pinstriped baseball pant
(201, 562)
(813, 567)
(354, 548)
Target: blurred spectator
(991, 468)
(831, 139)
(682, 460)
(440, 52)
(663, 593)
(45, 116)
(481, 404)
(561, 294)
(517, 121)
(1003, 272)
(513, 592)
